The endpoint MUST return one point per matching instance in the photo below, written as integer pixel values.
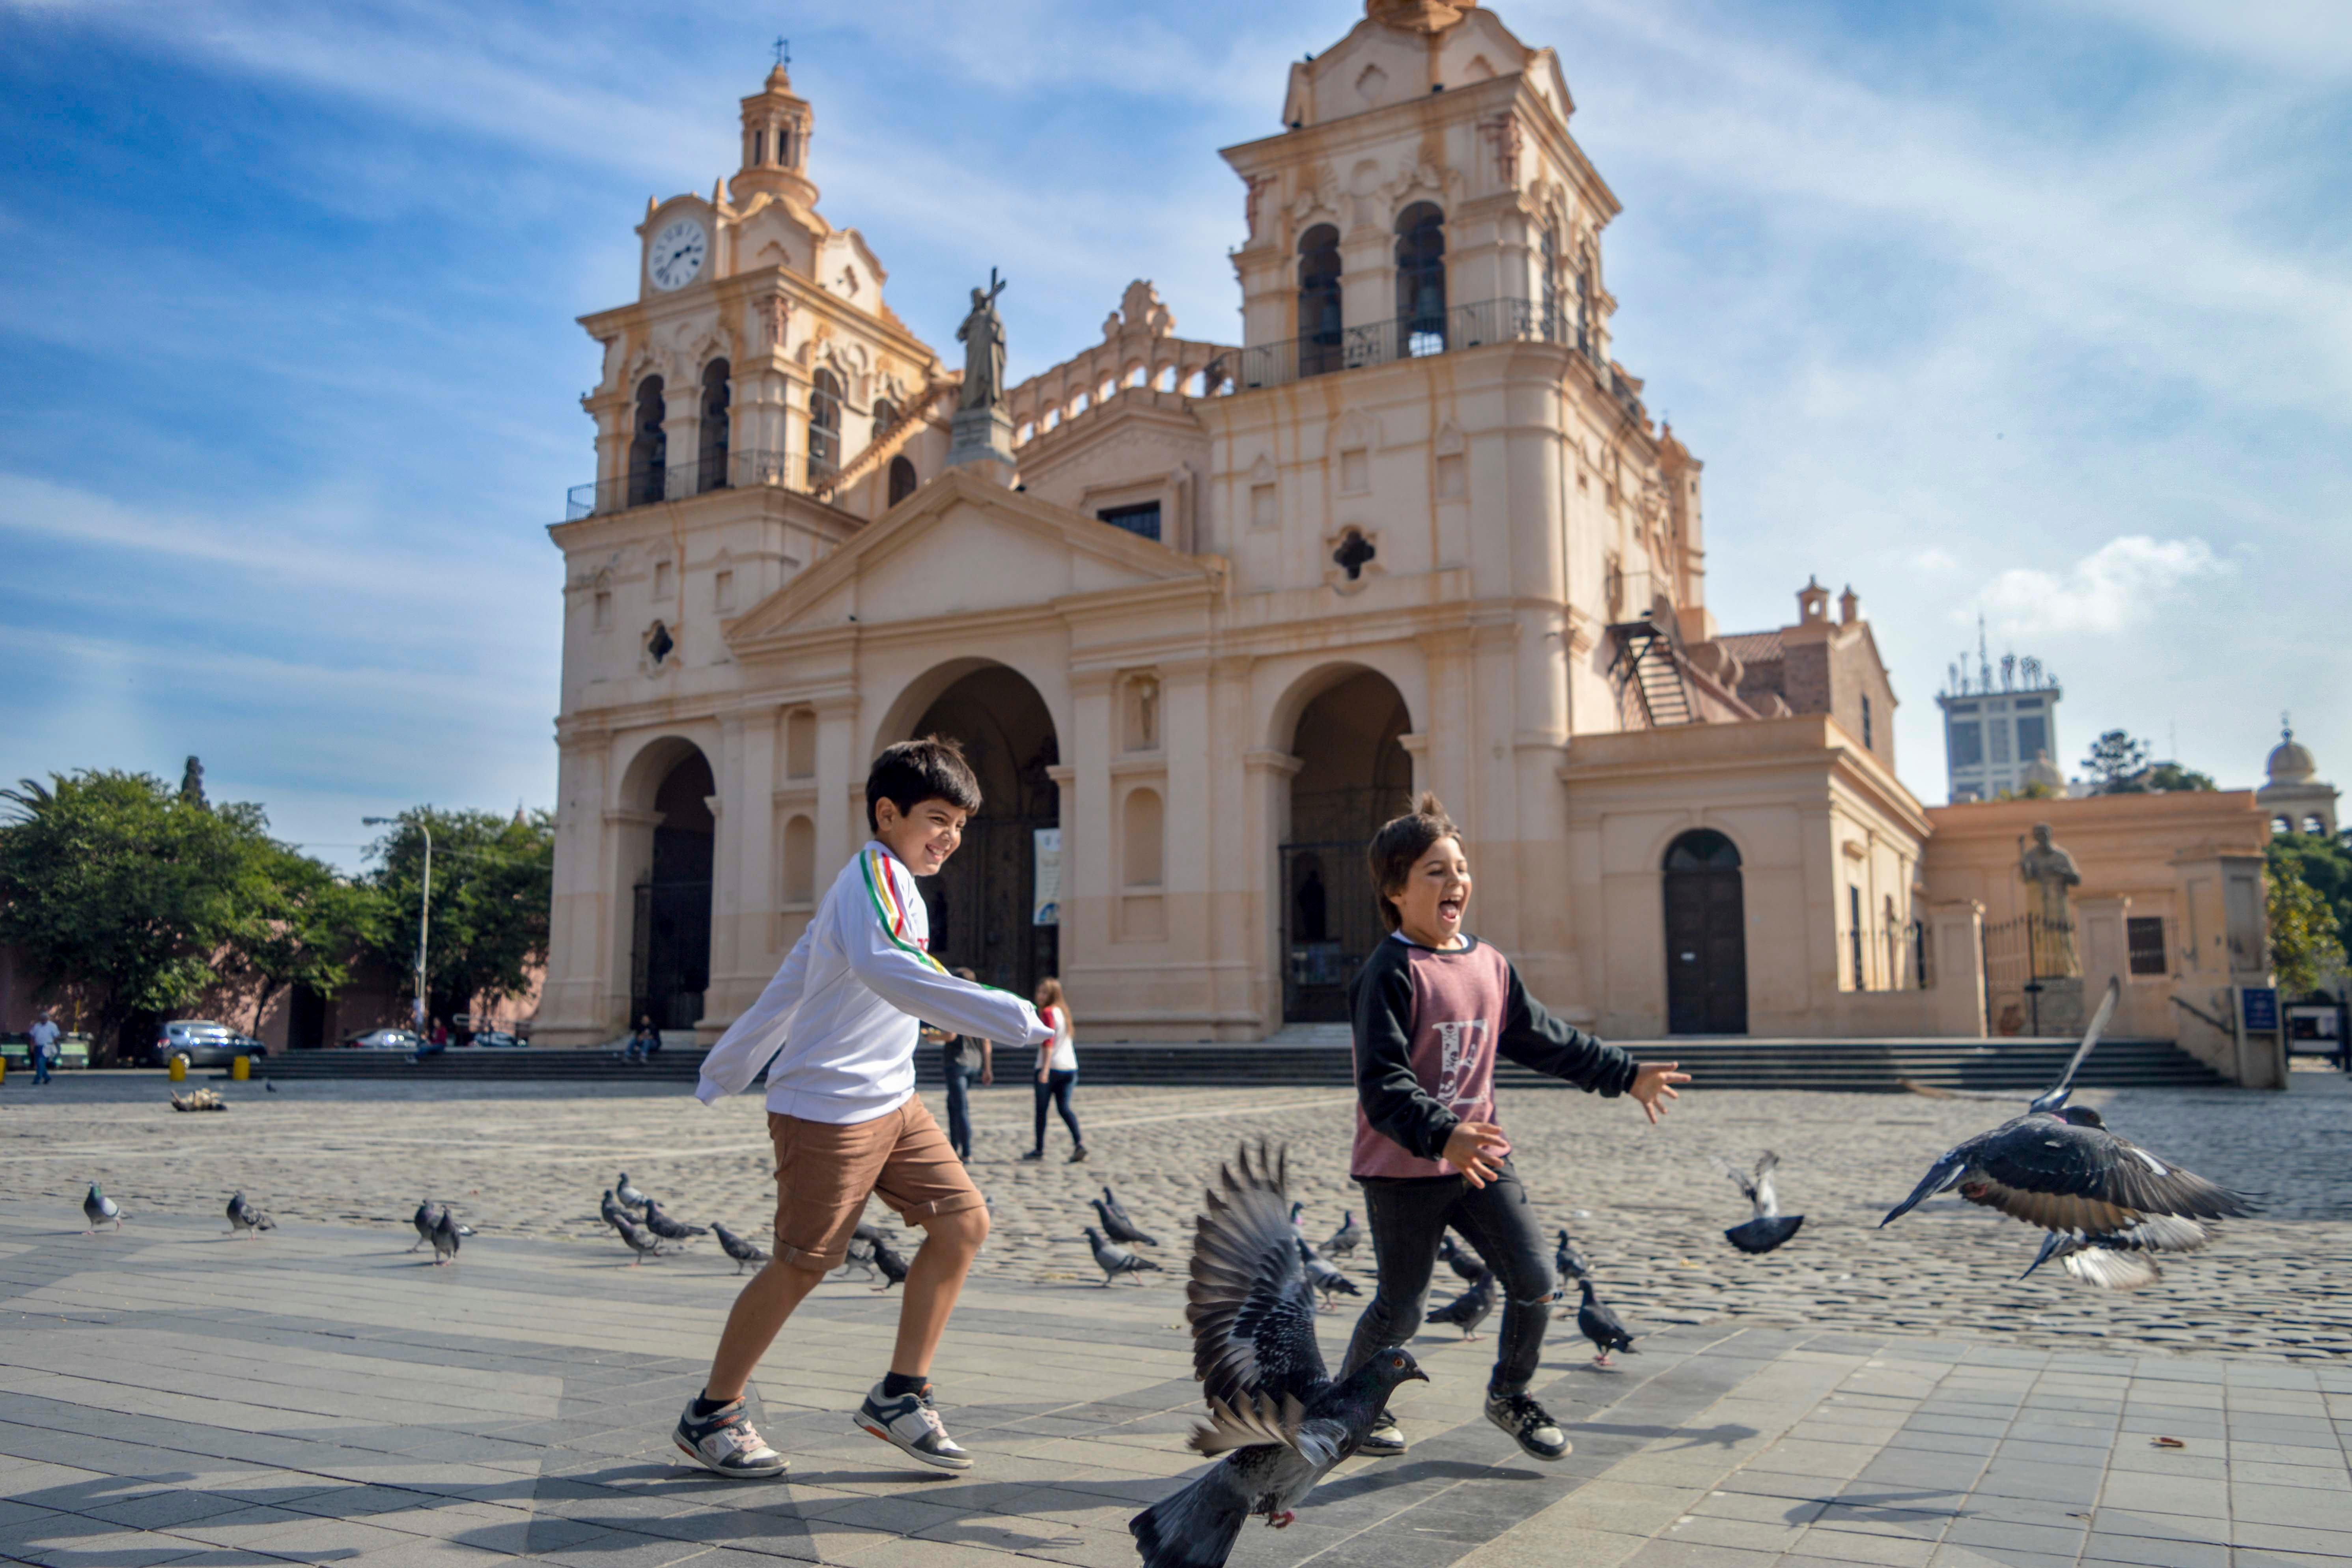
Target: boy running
(1433, 1008)
(839, 1021)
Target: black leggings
(1057, 1088)
(1408, 1219)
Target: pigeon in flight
(891, 1262)
(1277, 1423)
(244, 1218)
(1769, 1228)
(1117, 1225)
(1115, 1260)
(98, 1208)
(1570, 1263)
(1468, 1310)
(445, 1232)
(2098, 1192)
(1327, 1281)
(1464, 1261)
(1347, 1238)
(669, 1229)
(628, 1194)
(1601, 1326)
(642, 1242)
(428, 1215)
(744, 1252)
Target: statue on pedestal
(983, 337)
(2052, 872)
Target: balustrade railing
(679, 481)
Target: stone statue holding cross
(982, 336)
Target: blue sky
(2038, 309)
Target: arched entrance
(1707, 936)
(1354, 775)
(983, 904)
(669, 963)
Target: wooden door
(1706, 952)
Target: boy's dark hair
(1400, 844)
(913, 772)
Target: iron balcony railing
(679, 481)
(1506, 321)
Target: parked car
(494, 1040)
(383, 1040)
(204, 1044)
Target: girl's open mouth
(1449, 909)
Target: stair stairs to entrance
(1318, 1056)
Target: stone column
(1269, 773)
(745, 891)
(840, 779)
(1956, 933)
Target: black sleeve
(1393, 1101)
(1534, 1038)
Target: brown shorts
(825, 1170)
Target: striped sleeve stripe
(887, 908)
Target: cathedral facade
(1237, 602)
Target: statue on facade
(982, 336)
(2052, 872)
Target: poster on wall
(1046, 909)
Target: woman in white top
(1057, 1069)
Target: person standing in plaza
(44, 1039)
(835, 1031)
(1057, 1069)
(1432, 1008)
(963, 1057)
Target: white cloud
(2118, 586)
(1936, 558)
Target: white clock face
(675, 258)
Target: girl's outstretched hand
(1476, 1150)
(1652, 1085)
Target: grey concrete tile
(2052, 1483)
(162, 1508)
(1888, 1548)
(624, 1548)
(2151, 1551)
(2300, 1506)
(1989, 1535)
(1663, 1553)
(105, 1549)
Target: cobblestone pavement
(171, 1395)
(530, 1161)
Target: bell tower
(777, 123)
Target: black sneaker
(1078, 1155)
(726, 1444)
(1529, 1425)
(912, 1423)
(1035, 1154)
(1383, 1441)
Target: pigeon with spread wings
(1769, 1228)
(1277, 1421)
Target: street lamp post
(423, 908)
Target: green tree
(2305, 947)
(297, 923)
(493, 884)
(2117, 763)
(2172, 776)
(2322, 863)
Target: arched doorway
(1354, 775)
(669, 965)
(983, 904)
(1707, 936)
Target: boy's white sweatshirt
(844, 1007)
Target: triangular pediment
(963, 546)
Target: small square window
(1354, 471)
(1452, 479)
(722, 590)
(601, 617)
(2144, 934)
(1265, 507)
(661, 579)
(1143, 520)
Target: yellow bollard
(4, 1069)
(241, 1068)
(179, 1069)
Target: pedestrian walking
(43, 1040)
(964, 1057)
(1057, 1069)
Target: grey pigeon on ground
(2066, 1172)
(1468, 1310)
(670, 1229)
(1118, 1224)
(736, 1247)
(98, 1208)
(1466, 1263)
(1347, 1238)
(628, 1194)
(1326, 1281)
(642, 1242)
(1570, 1263)
(270, 1085)
(891, 1262)
(1276, 1421)
(428, 1215)
(244, 1218)
(859, 1255)
(1601, 1326)
(445, 1232)
(1769, 1228)
(1115, 1260)
(610, 1207)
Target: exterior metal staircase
(1649, 676)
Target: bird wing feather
(2062, 1176)
(1250, 1305)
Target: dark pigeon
(1117, 1225)
(445, 1232)
(1466, 1263)
(1468, 1310)
(244, 1218)
(1570, 1263)
(642, 1242)
(892, 1264)
(1276, 1420)
(428, 1215)
(629, 1195)
(1769, 1228)
(2066, 1172)
(1601, 1326)
(1115, 1260)
(1347, 1238)
(669, 1229)
(744, 1252)
(98, 1208)
(1326, 1281)
(610, 1207)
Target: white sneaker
(726, 1443)
(912, 1422)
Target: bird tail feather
(1942, 1174)
(1195, 1527)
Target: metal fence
(2018, 955)
(1402, 338)
(644, 487)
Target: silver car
(202, 1043)
(385, 1041)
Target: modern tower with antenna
(2000, 724)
